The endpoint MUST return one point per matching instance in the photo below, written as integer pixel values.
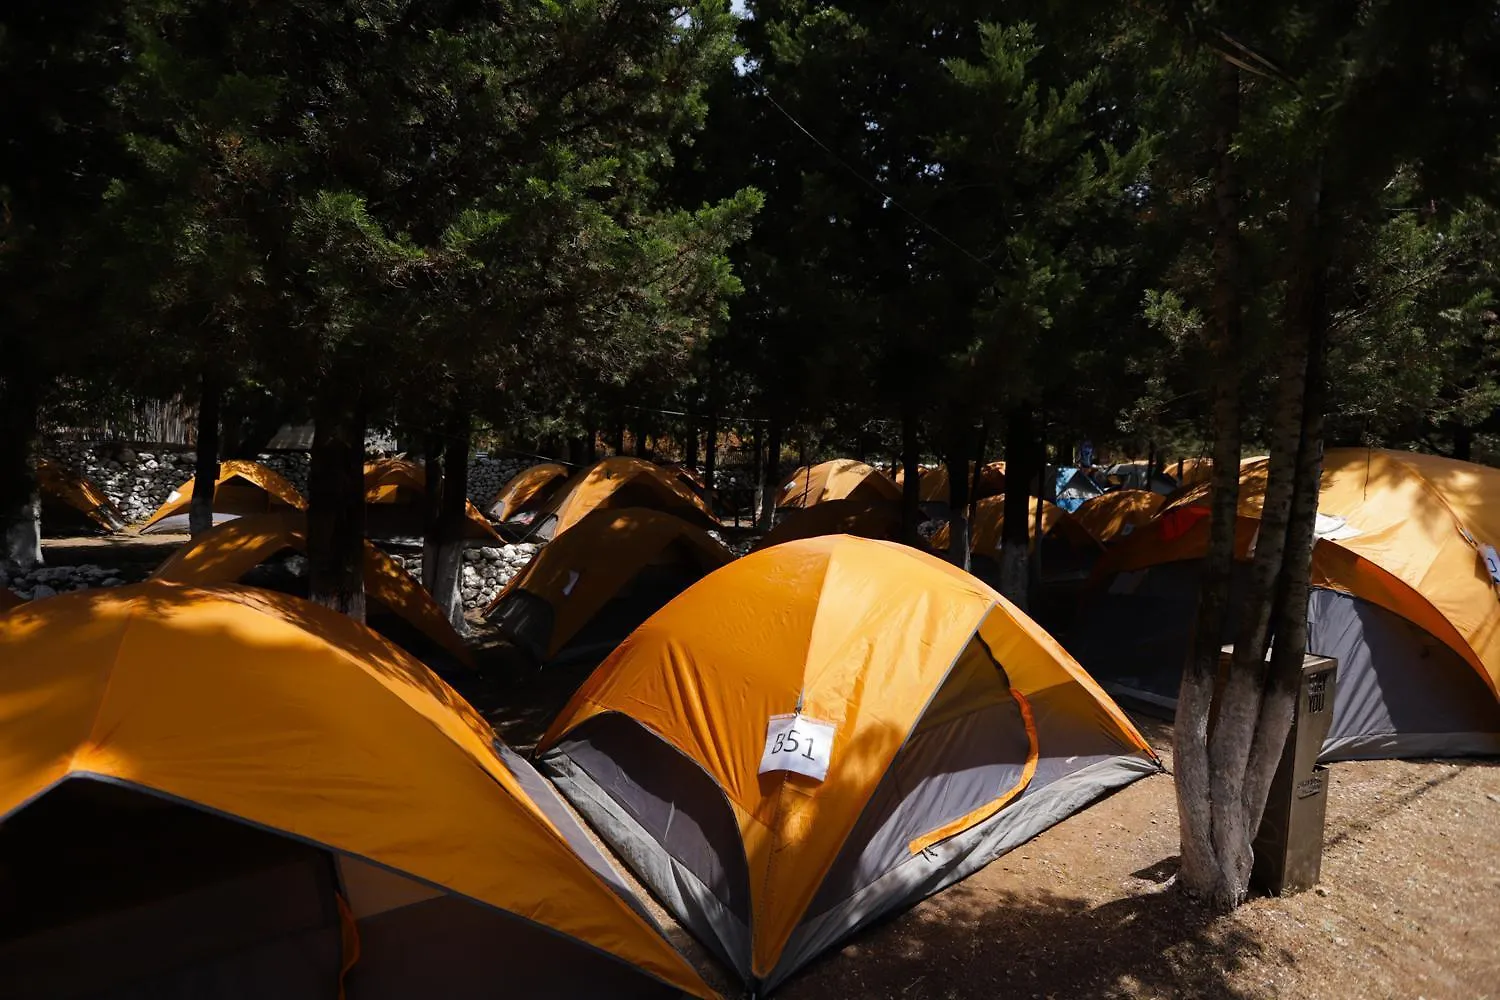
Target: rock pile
(49, 581)
(487, 473)
(486, 571)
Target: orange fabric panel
(400, 481)
(280, 492)
(1106, 517)
(857, 633)
(525, 486)
(77, 492)
(836, 480)
(933, 486)
(295, 718)
(1420, 521)
(228, 551)
(593, 488)
(877, 519)
(580, 571)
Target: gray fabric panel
(177, 524)
(527, 620)
(1139, 640)
(939, 776)
(957, 858)
(547, 799)
(1400, 692)
(450, 947)
(677, 888)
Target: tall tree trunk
(591, 454)
(758, 464)
(432, 504)
(772, 482)
(619, 439)
(206, 461)
(1015, 536)
(446, 586)
(1463, 442)
(1200, 873)
(690, 445)
(911, 468)
(957, 461)
(711, 449)
(20, 503)
(1307, 317)
(336, 500)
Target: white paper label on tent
(572, 582)
(797, 743)
(1334, 528)
(1491, 561)
(173, 497)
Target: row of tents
(227, 791)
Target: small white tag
(572, 582)
(1334, 528)
(797, 743)
(1491, 561)
(791, 484)
(173, 497)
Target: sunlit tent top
(836, 480)
(242, 488)
(267, 709)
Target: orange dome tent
(616, 483)
(840, 479)
(1401, 598)
(395, 503)
(242, 488)
(527, 492)
(229, 792)
(826, 731)
(583, 593)
(988, 530)
(866, 519)
(227, 553)
(1118, 513)
(71, 503)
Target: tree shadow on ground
(979, 942)
(516, 696)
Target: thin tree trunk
(1015, 538)
(690, 444)
(20, 502)
(711, 450)
(336, 501)
(1308, 319)
(432, 504)
(758, 463)
(591, 454)
(206, 461)
(772, 485)
(958, 503)
(446, 587)
(1463, 443)
(911, 467)
(619, 441)
(1200, 873)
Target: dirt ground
(1409, 899)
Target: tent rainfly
(402, 610)
(395, 503)
(1118, 513)
(232, 793)
(866, 519)
(242, 488)
(587, 590)
(614, 484)
(824, 732)
(71, 503)
(527, 492)
(840, 479)
(1401, 598)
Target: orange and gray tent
(614, 484)
(1117, 513)
(840, 479)
(879, 519)
(242, 488)
(233, 793)
(395, 503)
(933, 486)
(240, 550)
(587, 590)
(959, 729)
(1401, 598)
(71, 503)
(527, 492)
